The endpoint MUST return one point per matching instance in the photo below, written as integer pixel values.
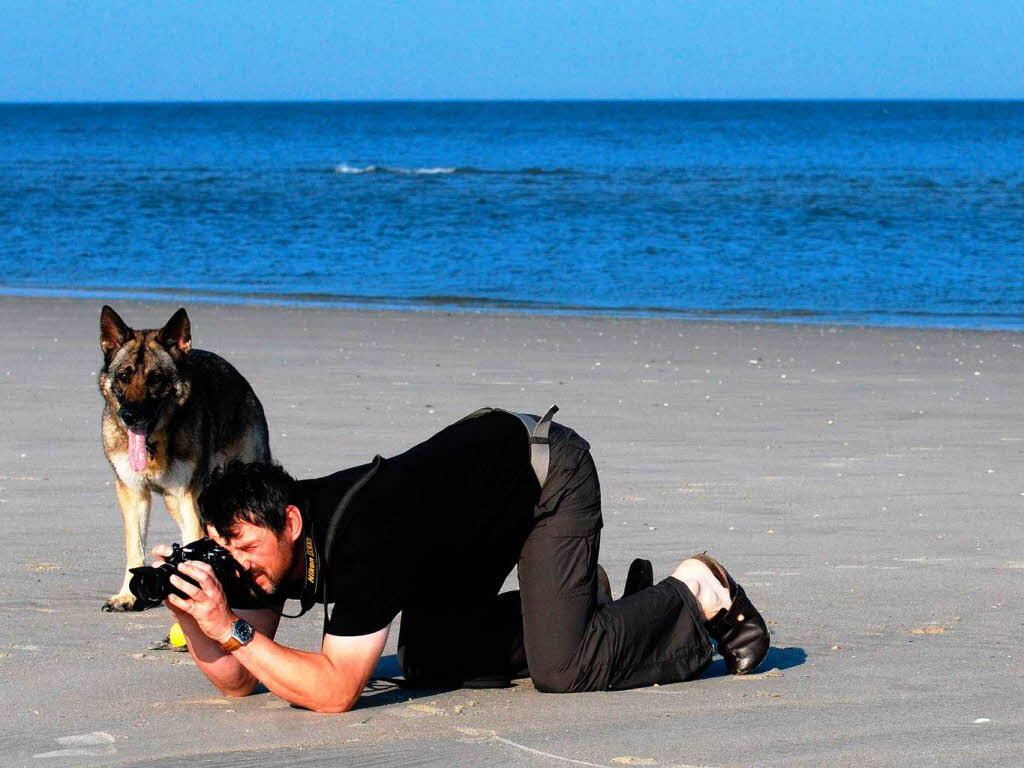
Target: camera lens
(152, 584)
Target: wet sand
(864, 485)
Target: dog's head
(143, 378)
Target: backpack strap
(537, 432)
(540, 450)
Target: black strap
(335, 521)
(318, 572)
(540, 454)
(307, 598)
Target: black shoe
(640, 576)
(740, 632)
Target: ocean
(878, 213)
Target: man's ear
(292, 522)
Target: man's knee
(424, 676)
(555, 680)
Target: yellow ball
(176, 637)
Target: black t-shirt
(448, 515)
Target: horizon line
(874, 318)
(526, 100)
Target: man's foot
(704, 585)
(737, 628)
(640, 576)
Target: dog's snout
(132, 414)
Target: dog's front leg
(135, 503)
(185, 512)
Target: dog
(172, 414)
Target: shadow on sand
(382, 691)
(384, 687)
(777, 658)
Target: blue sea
(883, 213)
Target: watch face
(242, 631)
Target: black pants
(552, 628)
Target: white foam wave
(349, 169)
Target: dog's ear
(177, 332)
(113, 331)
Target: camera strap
(335, 521)
(316, 564)
(308, 597)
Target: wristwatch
(241, 633)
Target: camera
(151, 585)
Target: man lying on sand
(433, 533)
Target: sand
(864, 485)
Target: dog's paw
(119, 604)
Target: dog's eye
(155, 379)
(125, 375)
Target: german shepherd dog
(172, 414)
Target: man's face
(266, 556)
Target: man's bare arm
(227, 673)
(329, 681)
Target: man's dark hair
(256, 493)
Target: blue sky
(214, 50)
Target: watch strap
(241, 633)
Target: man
(433, 533)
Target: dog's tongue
(137, 456)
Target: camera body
(151, 585)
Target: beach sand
(864, 485)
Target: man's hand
(160, 553)
(206, 602)
(226, 672)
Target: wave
(346, 169)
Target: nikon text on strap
(316, 571)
